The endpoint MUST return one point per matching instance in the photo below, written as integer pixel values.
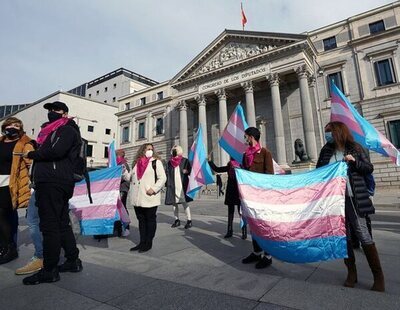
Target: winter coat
(356, 172)
(53, 161)
(19, 176)
(138, 188)
(170, 198)
(232, 191)
(262, 162)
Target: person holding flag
(341, 146)
(257, 159)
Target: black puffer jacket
(357, 172)
(53, 160)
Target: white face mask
(149, 153)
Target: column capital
(248, 86)
(182, 105)
(302, 72)
(201, 100)
(221, 94)
(273, 79)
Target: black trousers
(147, 219)
(6, 213)
(52, 202)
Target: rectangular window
(394, 132)
(2, 110)
(90, 95)
(376, 27)
(141, 131)
(89, 151)
(329, 43)
(97, 92)
(108, 131)
(106, 152)
(90, 128)
(8, 109)
(127, 106)
(125, 134)
(114, 99)
(160, 95)
(336, 78)
(115, 85)
(143, 101)
(15, 108)
(159, 126)
(105, 101)
(105, 89)
(384, 72)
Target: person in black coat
(178, 170)
(232, 194)
(341, 146)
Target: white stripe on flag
(235, 132)
(332, 205)
(102, 198)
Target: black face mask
(53, 116)
(174, 153)
(11, 133)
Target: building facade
(111, 86)
(96, 120)
(10, 108)
(282, 81)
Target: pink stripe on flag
(302, 195)
(237, 120)
(320, 227)
(97, 187)
(232, 141)
(95, 212)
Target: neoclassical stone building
(282, 81)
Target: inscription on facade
(234, 79)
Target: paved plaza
(198, 269)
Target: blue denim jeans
(33, 223)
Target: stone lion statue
(300, 151)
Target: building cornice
(375, 37)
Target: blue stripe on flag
(292, 181)
(98, 226)
(305, 251)
(238, 156)
(104, 174)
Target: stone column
(183, 126)
(201, 101)
(307, 115)
(312, 82)
(223, 120)
(280, 145)
(250, 108)
(149, 127)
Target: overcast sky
(49, 45)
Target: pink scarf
(176, 161)
(121, 160)
(250, 154)
(49, 128)
(141, 166)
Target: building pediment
(231, 48)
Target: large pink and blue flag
(297, 218)
(98, 218)
(201, 171)
(232, 138)
(363, 132)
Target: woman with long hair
(178, 170)
(147, 179)
(341, 146)
(14, 183)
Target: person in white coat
(147, 179)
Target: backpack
(79, 162)
(370, 183)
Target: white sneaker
(125, 233)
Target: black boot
(244, 232)
(42, 276)
(146, 247)
(138, 247)
(176, 223)
(229, 232)
(9, 254)
(188, 224)
(71, 266)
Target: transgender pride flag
(363, 132)
(232, 138)
(98, 218)
(297, 218)
(201, 172)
